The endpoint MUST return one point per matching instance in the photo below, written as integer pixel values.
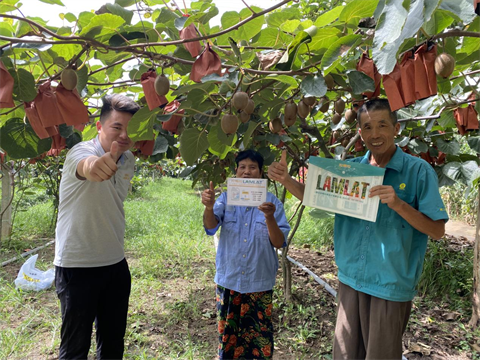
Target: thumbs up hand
(208, 197)
(101, 168)
(278, 171)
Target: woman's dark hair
(252, 155)
(117, 102)
(377, 105)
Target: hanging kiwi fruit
(329, 81)
(69, 79)
(240, 100)
(162, 85)
(290, 113)
(303, 109)
(275, 125)
(244, 116)
(325, 105)
(229, 124)
(336, 118)
(309, 100)
(250, 107)
(339, 106)
(350, 116)
(444, 65)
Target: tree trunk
(287, 278)
(474, 321)
(6, 209)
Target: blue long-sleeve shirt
(246, 259)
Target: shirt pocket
(230, 221)
(260, 229)
(390, 218)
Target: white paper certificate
(246, 192)
(342, 187)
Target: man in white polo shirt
(92, 276)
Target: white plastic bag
(31, 278)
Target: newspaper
(246, 192)
(342, 187)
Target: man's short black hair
(377, 105)
(252, 155)
(117, 102)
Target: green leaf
(65, 130)
(247, 136)
(53, 2)
(161, 145)
(313, 85)
(356, 10)
(329, 17)
(82, 78)
(192, 145)
(285, 63)
(474, 143)
(470, 170)
(338, 48)
(117, 9)
(453, 170)
(180, 22)
(125, 3)
(447, 120)
(217, 147)
(284, 79)
(324, 38)
(89, 132)
(73, 139)
(440, 20)
(20, 141)
(276, 19)
(417, 146)
(461, 8)
(390, 24)
(448, 147)
(24, 86)
(272, 37)
(101, 25)
(140, 126)
(360, 82)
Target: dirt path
(459, 228)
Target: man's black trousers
(90, 295)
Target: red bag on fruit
(407, 71)
(392, 83)
(36, 124)
(207, 63)
(429, 62)
(145, 147)
(148, 85)
(47, 106)
(172, 124)
(466, 119)
(58, 144)
(193, 47)
(422, 89)
(6, 88)
(71, 106)
(367, 66)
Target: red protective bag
(207, 63)
(466, 119)
(172, 124)
(367, 66)
(35, 122)
(6, 88)
(148, 85)
(193, 47)
(71, 106)
(392, 83)
(422, 89)
(146, 146)
(58, 144)
(429, 62)
(407, 71)
(47, 106)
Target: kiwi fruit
(345, 142)
(329, 81)
(240, 100)
(339, 106)
(303, 109)
(290, 113)
(336, 134)
(162, 85)
(69, 79)
(325, 106)
(336, 118)
(244, 116)
(275, 125)
(229, 124)
(250, 107)
(310, 100)
(444, 65)
(350, 116)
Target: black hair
(252, 155)
(117, 102)
(377, 105)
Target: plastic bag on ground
(31, 278)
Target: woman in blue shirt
(246, 265)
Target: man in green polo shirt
(379, 263)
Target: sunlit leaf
(192, 145)
(360, 82)
(24, 87)
(140, 126)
